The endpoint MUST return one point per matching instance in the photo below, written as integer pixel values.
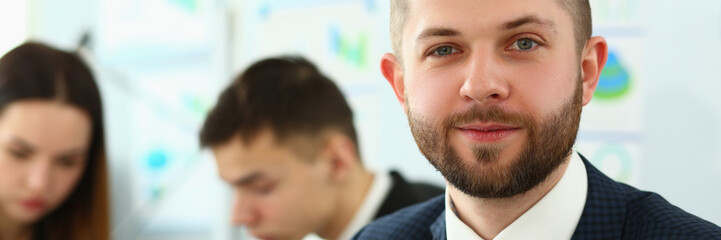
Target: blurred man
(493, 90)
(283, 137)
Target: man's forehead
(244, 170)
(483, 15)
(239, 149)
(262, 158)
(235, 158)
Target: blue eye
(524, 44)
(444, 50)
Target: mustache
(488, 114)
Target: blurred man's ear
(393, 72)
(342, 155)
(592, 62)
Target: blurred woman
(52, 153)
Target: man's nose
(243, 211)
(485, 80)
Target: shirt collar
(379, 190)
(555, 216)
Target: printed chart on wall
(339, 36)
(611, 134)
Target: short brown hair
(579, 10)
(37, 71)
(288, 95)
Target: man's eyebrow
(529, 19)
(248, 179)
(515, 23)
(437, 32)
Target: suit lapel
(438, 228)
(605, 209)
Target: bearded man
(493, 91)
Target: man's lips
(487, 132)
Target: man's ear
(342, 156)
(592, 62)
(393, 72)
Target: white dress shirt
(555, 216)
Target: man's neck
(13, 230)
(488, 217)
(349, 201)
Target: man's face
(278, 195)
(492, 89)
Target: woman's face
(43, 148)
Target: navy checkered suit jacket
(612, 211)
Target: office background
(655, 121)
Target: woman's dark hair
(34, 71)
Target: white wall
(682, 111)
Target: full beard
(548, 145)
